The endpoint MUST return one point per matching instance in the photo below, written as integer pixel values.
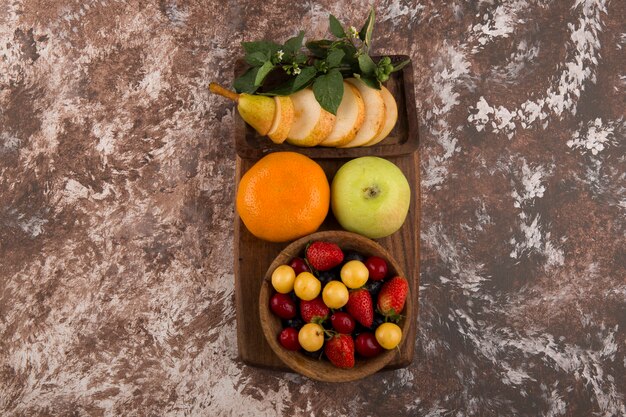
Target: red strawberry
(324, 255)
(361, 307)
(392, 297)
(314, 311)
(340, 351)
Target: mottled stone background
(116, 214)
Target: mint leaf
(256, 59)
(265, 69)
(319, 48)
(245, 83)
(282, 90)
(335, 27)
(366, 64)
(349, 58)
(334, 58)
(365, 34)
(294, 44)
(300, 59)
(303, 79)
(328, 90)
(265, 47)
(371, 81)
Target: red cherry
(367, 346)
(289, 338)
(377, 267)
(299, 265)
(283, 306)
(342, 322)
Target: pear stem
(218, 89)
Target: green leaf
(335, 27)
(245, 83)
(300, 59)
(265, 47)
(328, 90)
(371, 81)
(294, 44)
(319, 48)
(334, 58)
(303, 79)
(282, 90)
(401, 65)
(365, 34)
(265, 69)
(349, 58)
(256, 59)
(366, 64)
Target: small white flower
(296, 71)
(354, 33)
(280, 54)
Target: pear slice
(391, 116)
(374, 114)
(350, 116)
(311, 122)
(257, 111)
(283, 119)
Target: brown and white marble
(116, 191)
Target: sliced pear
(311, 122)
(374, 114)
(257, 111)
(283, 119)
(350, 116)
(391, 116)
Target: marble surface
(116, 214)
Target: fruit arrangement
(341, 305)
(286, 195)
(333, 96)
(365, 116)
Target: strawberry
(392, 297)
(340, 350)
(314, 311)
(361, 307)
(324, 255)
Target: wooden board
(253, 256)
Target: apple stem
(218, 89)
(371, 192)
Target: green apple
(370, 196)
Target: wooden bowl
(322, 369)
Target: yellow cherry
(283, 278)
(306, 286)
(311, 337)
(388, 335)
(354, 274)
(335, 294)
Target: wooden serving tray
(253, 256)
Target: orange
(282, 197)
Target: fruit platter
(333, 152)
